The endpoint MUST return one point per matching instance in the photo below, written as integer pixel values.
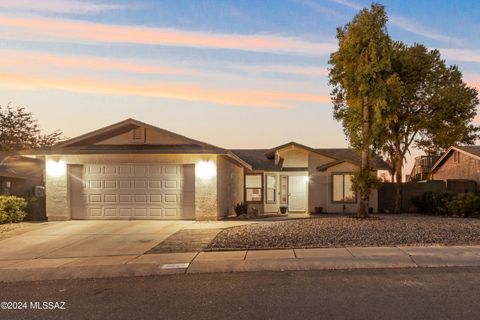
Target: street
(437, 293)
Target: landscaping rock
(335, 231)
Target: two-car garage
(132, 191)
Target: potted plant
(241, 208)
(283, 209)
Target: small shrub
(12, 209)
(447, 203)
(424, 202)
(441, 202)
(241, 208)
(463, 205)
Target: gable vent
(138, 135)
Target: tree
(361, 78)
(19, 130)
(432, 110)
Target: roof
(121, 127)
(473, 151)
(261, 159)
(257, 159)
(352, 156)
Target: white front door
(297, 193)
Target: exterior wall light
(56, 168)
(205, 170)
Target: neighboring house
(422, 168)
(132, 170)
(462, 162)
(20, 175)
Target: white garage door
(132, 191)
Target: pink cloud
(22, 58)
(247, 98)
(35, 28)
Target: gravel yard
(337, 231)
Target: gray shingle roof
(259, 161)
(475, 150)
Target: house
(422, 168)
(20, 175)
(132, 170)
(460, 162)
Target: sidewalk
(239, 261)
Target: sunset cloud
(23, 58)
(30, 60)
(461, 54)
(60, 6)
(307, 71)
(35, 28)
(246, 98)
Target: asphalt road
(450, 293)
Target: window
(253, 187)
(283, 189)
(342, 188)
(271, 187)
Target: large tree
(432, 110)
(19, 130)
(361, 77)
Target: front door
(297, 191)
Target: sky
(237, 74)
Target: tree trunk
(398, 173)
(363, 204)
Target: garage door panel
(125, 184)
(125, 212)
(125, 198)
(155, 184)
(140, 212)
(156, 212)
(95, 212)
(110, 184)
(140, 184)
(171, 212)
(94, 184)
(110, 212)
(155, 198)
(141, 198)
(125, 170)
(112, 198)
(135, 191)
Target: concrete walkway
(238, 261)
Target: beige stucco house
(132, 170)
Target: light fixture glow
(205, 170)
(56, 168)
(306, 178)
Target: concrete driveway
(71, 239)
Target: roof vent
(138, 135)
